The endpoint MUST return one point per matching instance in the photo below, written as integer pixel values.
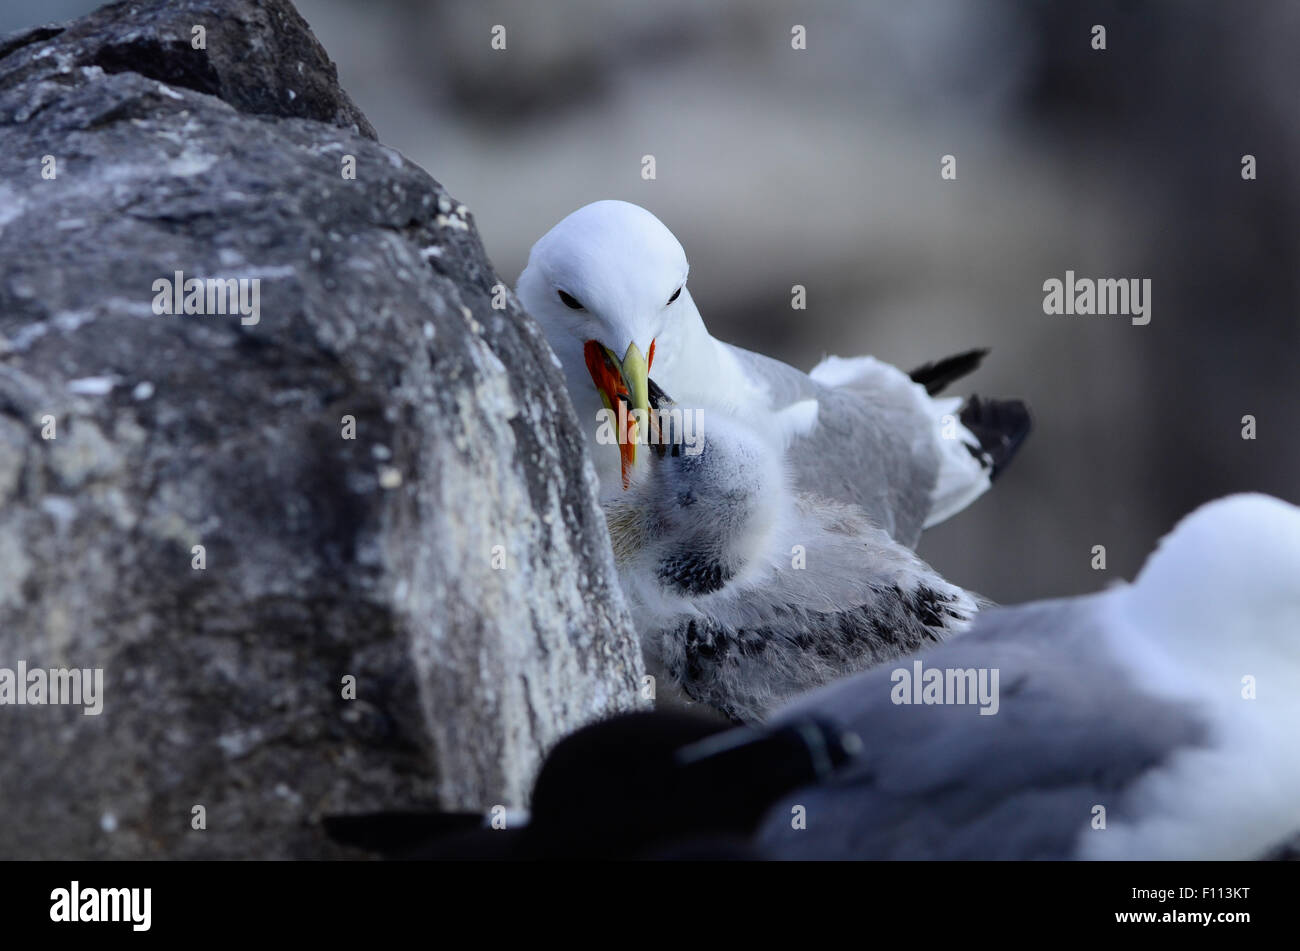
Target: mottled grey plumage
(747, 594)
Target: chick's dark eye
(676, 294)
(570, 301)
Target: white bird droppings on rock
(92, 385)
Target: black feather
(934, 376)
(1000, 426)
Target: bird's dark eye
(570, 301)
(676, 294)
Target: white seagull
(857, 430)
(1157, 720)
(776, 554)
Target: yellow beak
(636, 374)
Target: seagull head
(608, 286)
(1223, 590)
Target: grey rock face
(451, 557)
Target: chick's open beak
(625, 381)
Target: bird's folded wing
(834, 595)
(1070, 731)
(877, 440)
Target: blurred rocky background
(821, 167)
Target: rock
(323, 557)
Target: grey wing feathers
(942, 781)
(871, 445)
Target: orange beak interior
(610, 383)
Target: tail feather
(937, 374)
(1000, 426)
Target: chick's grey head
(697, 516)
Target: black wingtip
(1001, 426)
(934, 376)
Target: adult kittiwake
(857, 430)
(1154, 720)
(774, 553)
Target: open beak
(625, 381)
